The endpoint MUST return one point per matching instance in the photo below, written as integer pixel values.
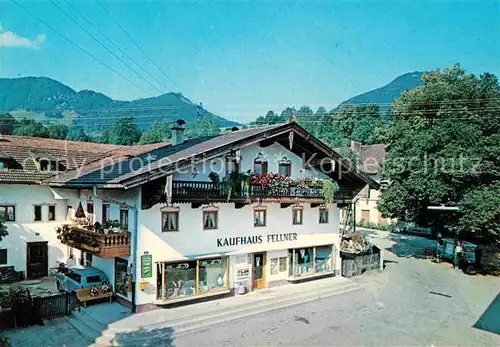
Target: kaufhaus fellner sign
(252, 240)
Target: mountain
(51, 101)
(389, 92)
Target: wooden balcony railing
(196, 189)
(101, 245)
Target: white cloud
(10, 39)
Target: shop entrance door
(259, 270)
(37, 260)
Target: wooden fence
(357, 264)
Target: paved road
(413, 302)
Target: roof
(22, 152)
(371, 156)
(111, 166)
(86, 271)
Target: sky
(241, 59)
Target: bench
(83, 295)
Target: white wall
(272, 153)
(25, 229)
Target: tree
(77, 133)
(444, 148)
(30, 127)
(58, 131)
(159, 132)
(202, 126)
(123, 132)
(7, 123)
(304, 111)
(321, 111)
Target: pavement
(413, 302)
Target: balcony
(196, 190)
(102, 245)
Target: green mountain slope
(50, 101)
(385, 95)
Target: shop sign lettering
(251, 240)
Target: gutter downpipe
(134, 240)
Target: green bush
(370, 225)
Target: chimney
(178, 132)
(356, 146)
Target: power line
(115, 45)
(80, 48)
(104, 46)
(137, 45)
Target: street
(412, 302)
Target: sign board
(146, 266)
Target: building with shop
(251, 208)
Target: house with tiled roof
(180, 221)
(370, 161)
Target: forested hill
(50, 101)
(384, 96)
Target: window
(210, 220)
(38, 213)
(285, 169)
(170, 221)
(309, 261)
(44, 165)
(52, 213)
(297, 216)
(365, 215)
(74, 276)
(50, 165)
(323, 259)
(323, 215)
(8, 212)
(94, 279)
(3, 164)
(90, 211)
(259, 218)
(192, 278)
(260, 165)
(105, 212)
(124, 219)
(3, 256)
(231, 166)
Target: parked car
(75, 278)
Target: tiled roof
(20, 176)
(114, 169)
(371, 156)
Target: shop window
(323, 216)
(105, 212)
(297, 214)
(259, 218)
(282, 261)
(212, 275)
(309, 261)
(180, 280)
(3, 256)
(8, 212)
(210, 219)
(304, 262)
(121, 276)
(170, 221)
(52, 213)
(38, 213)
(124, 218)
(192, 278)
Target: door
(37, 260)
(259, 270)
